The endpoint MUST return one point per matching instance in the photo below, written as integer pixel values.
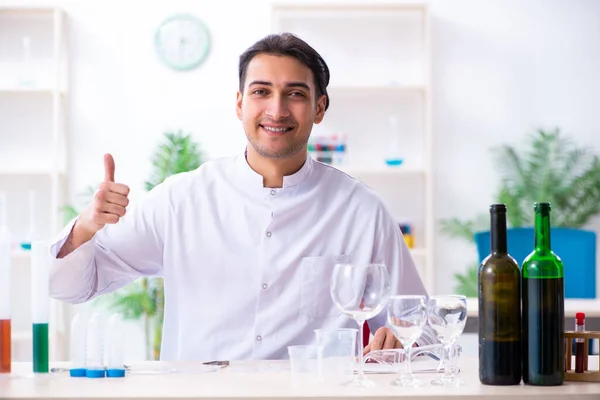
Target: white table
(269, 380)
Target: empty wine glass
(360, 291)
(447, 316)
(407, 316)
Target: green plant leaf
(551, 168)
(178, 153)
(465, 230)
(69, 212)
(467, 284)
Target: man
(246, 245)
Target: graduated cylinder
(5, 325)
(40, 304)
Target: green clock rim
(205, 52)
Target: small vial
(579, 343)
(78, 338)
(94, 351)
(114, 348)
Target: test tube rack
(587, 375)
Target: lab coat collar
(253, 179)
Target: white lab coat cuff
(72, 277)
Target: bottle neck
(542, 231)
(498, 233)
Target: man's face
(278, 105)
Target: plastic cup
(337, 354)
(304, 365)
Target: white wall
(501, 69)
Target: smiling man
(246, 245)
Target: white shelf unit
(379, 59)
(33, 149)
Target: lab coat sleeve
(390, 249)
(116, 255)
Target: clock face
(182, 42)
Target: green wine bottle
(499, 309)
(543, 308)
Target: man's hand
(107, 207)
(382, 340)
(109, 202)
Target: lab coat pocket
(316, 302)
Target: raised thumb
(109, 168)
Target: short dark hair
(287, 44)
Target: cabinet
(380, 92)
(33, 152)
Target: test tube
(114, 348)
(31, 235)
(78, 337)
(40, 268)
(94, 351)
(5, 317)
(393, 157)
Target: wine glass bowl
(407, 316)
(360, 291)
(447, 316)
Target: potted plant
(552, 168)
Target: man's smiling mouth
(273, 129)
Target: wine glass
(360, 291)
(447, 317)
(407, 316)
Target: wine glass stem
(407, 369)
(360, 349)
(447, 367)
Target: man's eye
(297, 94)
(259, 91)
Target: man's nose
(277, 108)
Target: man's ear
(238, 105)
(320, 109)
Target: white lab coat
(246, 268)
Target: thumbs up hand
(109, 202)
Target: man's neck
(273, 170)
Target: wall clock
(182, 42)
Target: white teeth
(275, 129)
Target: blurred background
(443, 107)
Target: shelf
(591, 307)
(361, 170)
(27, 10)
(391, 88)
(347, 6)
(29, 172)
(32, 89)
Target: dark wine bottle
(543, 308)
(499, 309)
